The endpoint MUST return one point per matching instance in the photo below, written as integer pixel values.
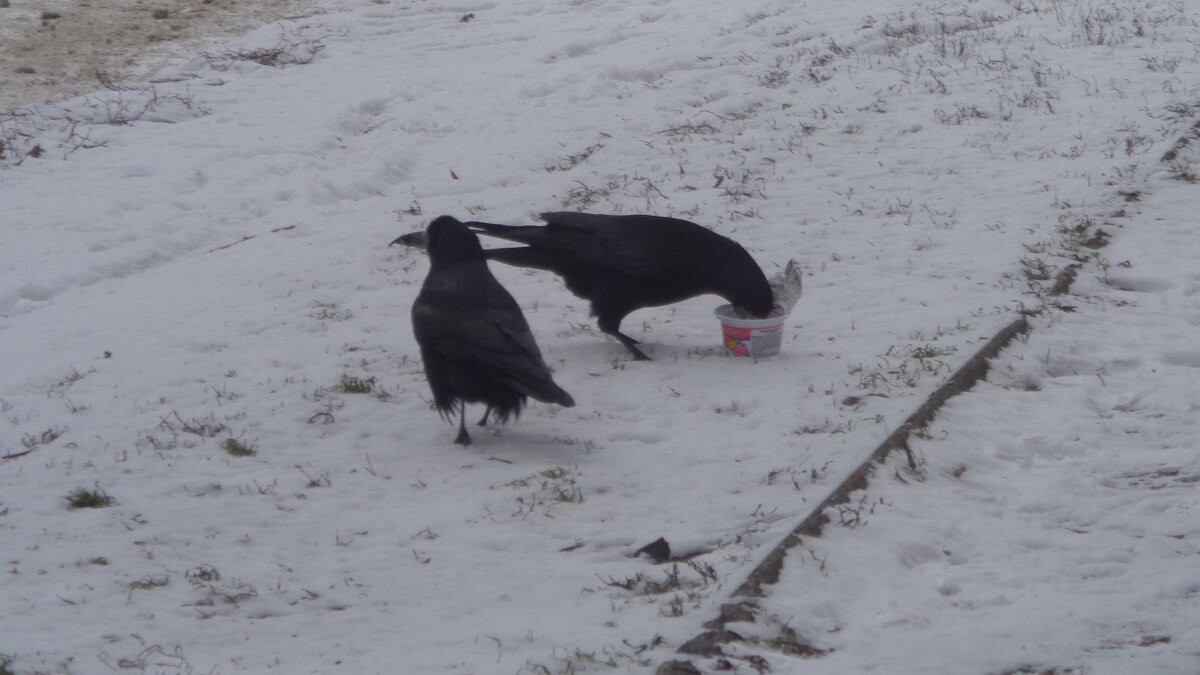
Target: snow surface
(206, 260)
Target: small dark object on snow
(625, 263)
(677, 667)
(709, 643)
(475, 343)
(731, 613)
(658, 550)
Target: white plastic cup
(755, 338)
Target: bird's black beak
(415, 239)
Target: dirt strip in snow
(54, 49)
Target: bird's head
(747, 287)
(446, 239)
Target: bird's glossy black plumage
(625, 263)
(628, 262)
(475, 343)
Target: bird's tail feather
(509, 232)
(531, 378)
(543, 389)
(557, 394)
(524, 256)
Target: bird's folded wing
(640, 246)
(494, 341)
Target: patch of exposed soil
(54, 49)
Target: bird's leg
(463, 437)
(631, 345)
(610, 322)
(483, 420)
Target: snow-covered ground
(202, 265)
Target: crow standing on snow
(474, 341)
(625, 263)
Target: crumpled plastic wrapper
(787, 286)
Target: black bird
(475, 343)
(624, 263)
